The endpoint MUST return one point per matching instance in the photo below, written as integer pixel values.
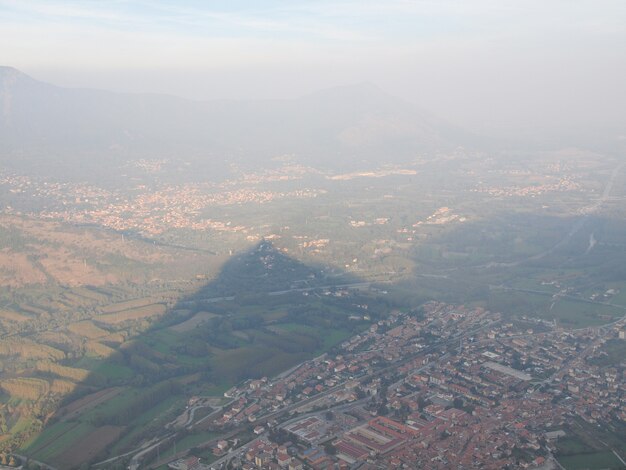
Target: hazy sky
(480, 63)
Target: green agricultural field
(159, 411)
(56, 439)
(110, 406)
(332, 338)
(189, 441)
(573, 445)
(620, 298)
(567, 312)
(582, 314)
(297, 327)
(279, 363)
(113, 371)
(158, 414)
(593, 461)
(518, 303)
(234, 364)
(216, 390)
(22, 424)
(163, 340)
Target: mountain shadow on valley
(266, 269)
(560, 269)
(264, 313)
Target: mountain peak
(10, 75)
(8, 69)
(338, 127)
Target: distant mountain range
(87, 134)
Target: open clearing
(87, 329)
(593, 461)
(56, 438)
(86, 448)
(193, 322)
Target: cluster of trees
(7, 459)
(216, 334)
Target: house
(283, 460)
(296, 464)
(262, 459)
